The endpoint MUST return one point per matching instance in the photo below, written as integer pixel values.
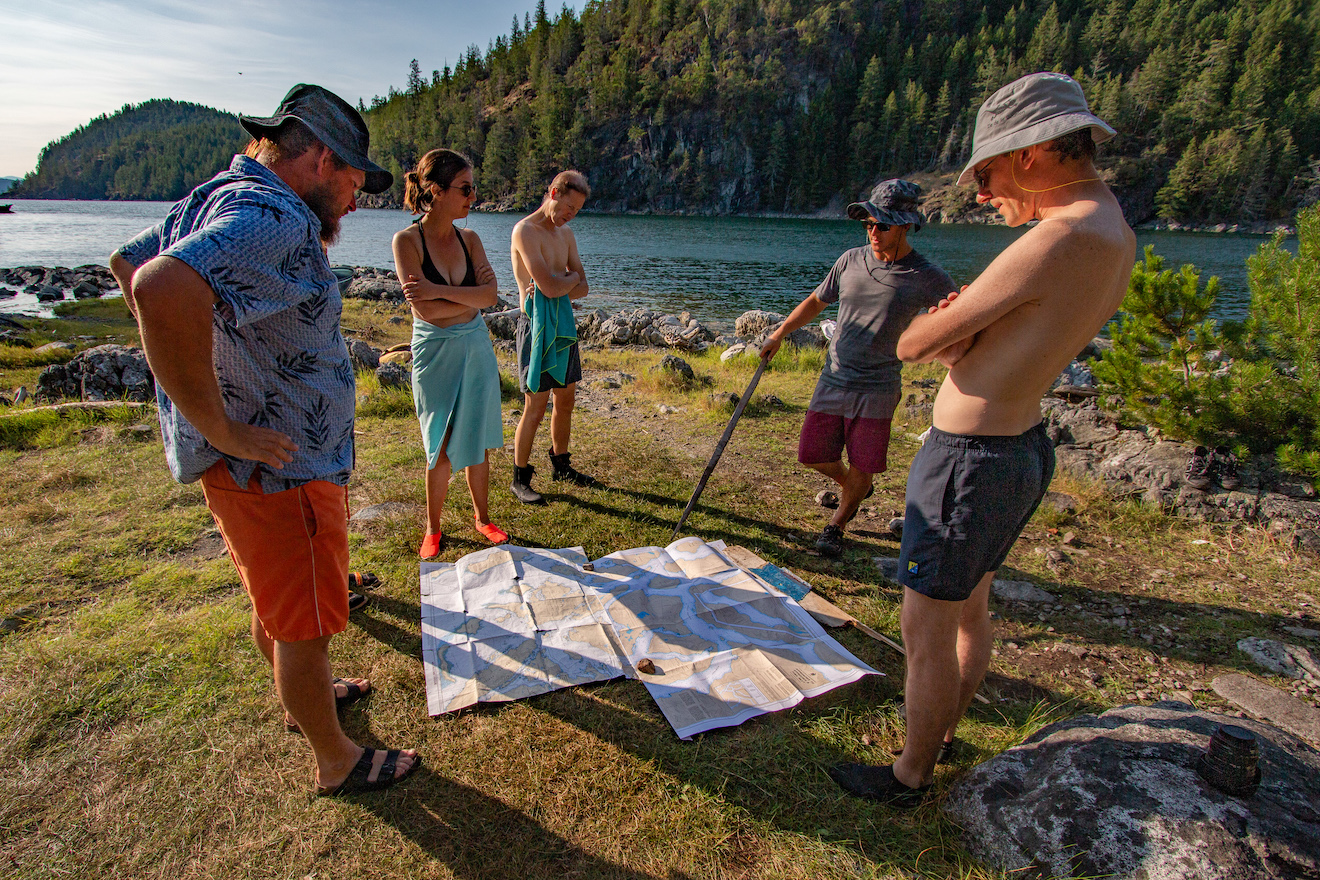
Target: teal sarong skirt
(456, 388)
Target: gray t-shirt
(877, 300)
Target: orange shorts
(290, 549)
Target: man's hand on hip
(254, 443)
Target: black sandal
(353, 694)
(359, 778)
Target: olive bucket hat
(1036, 108)
(892, 201)
(334, 121)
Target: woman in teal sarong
(447, 279)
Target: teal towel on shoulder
(554, 332)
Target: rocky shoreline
(56, 283)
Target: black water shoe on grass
(563, 470)
(522, 485)
(877, 784)
(830, 542)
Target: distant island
(6, 183)
(798, 106)
(158, 149)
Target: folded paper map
(714, 644)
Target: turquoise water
(715, 267)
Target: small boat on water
(6, 209)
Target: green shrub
(1282, 342)
(1160, 363)
(1267, 397)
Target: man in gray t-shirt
(879, 289)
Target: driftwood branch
(79, 406)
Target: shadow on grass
(478, 836)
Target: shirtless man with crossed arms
(546, 262)
(988, 462)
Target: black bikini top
(432, 274)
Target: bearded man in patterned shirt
(239, 314)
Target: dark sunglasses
(466, 189)
(980, 175)
(875, 226)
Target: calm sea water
(715, 267)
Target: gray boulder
(502, 326)
(1021, 591)
(107, 372)
(643, 327)
(1293, 661)
(1117, 795)
(677, 367)
(86, 290)
(375, 288)
(1133, 463)
(752, 324)
(810, 336)
(394, 375)
(363, 355)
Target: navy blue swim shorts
(968, 499)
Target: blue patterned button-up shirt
(278, 353)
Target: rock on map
(714, 644)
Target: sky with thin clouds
(64, 62)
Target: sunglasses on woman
(466, 189)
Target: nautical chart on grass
(713, 644)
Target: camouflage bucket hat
(334, 122)
(892, 201)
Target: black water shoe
(522, 485)
(877, 784)
(563, 470)
(830, 542)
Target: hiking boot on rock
(1200, 469)
(830, 542)
(564, 471)
(522, 485)
(1226, 467)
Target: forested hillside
(795, 105)
(155, 150)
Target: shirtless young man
(1005, 338)
(549, 273)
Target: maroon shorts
(824, 438)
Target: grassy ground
(143, 738)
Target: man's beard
(320, 198)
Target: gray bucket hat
(1036, 108)
(892, 201)
(334, 121)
